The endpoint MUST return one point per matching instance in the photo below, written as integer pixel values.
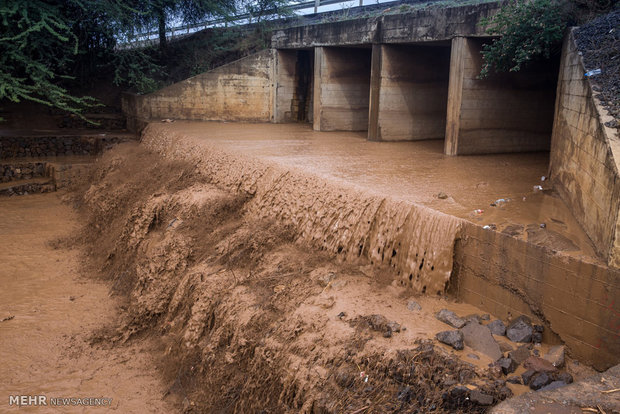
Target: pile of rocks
(51, 146)
(477, 332)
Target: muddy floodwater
(49, 311)
(495, 190)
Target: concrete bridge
(414, 76)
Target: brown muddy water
(417, 172)
(49, 311)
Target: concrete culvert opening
(342, 88)
(506, 112)
(413, 92)
(295, 72)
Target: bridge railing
(185, 29)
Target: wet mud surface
(51, 313)
(493, 190)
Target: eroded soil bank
(52, 310)
(252, 319)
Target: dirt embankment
(252, 320)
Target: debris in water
(543, 225)
(478, 211)
(543, 178)
(8, 318)
(167, 120)
(538, 188)
(490, 227)
(341, 315)
(442, 195)
(592, 72)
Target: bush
(529, 30)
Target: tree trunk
(162, 30)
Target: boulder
(413, 306)
(539, 380)
(451, 318)
(452, 338)
(497, 327)
(480, 398)
(508, 365)
(520, 330)
(556, 356)
(554, 385)
(520, 354)
(479, 338)
(537, 364)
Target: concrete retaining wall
(584, 157)
(576, 299)
(239, 91)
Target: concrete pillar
(341, 88)
(507, 112)
(375, 91)
(284, 84)
(409, 92)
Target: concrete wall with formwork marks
(239, 91)
(409, 92)
(341, 88)
(584, 157)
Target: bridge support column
(409, 92)
(507, 112)
(341, 88)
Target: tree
(529, 30)
(160, 13)
(37, 46)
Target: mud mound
(251, 318)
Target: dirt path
(45, 348)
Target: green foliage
(36, 48)
(136, 68)
(529, 29)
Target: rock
(515, 379)
(564, 376)
(537, 364)
(377, 322)
(457, 396)
(539, 328)
(527, 376)
(508, 365)
(537, 337)
(520, 330)
(393, 326)
(442, 195)
(539, 380)
(479, 338)
(452, 338)
(473, 356)
(471, 318)
(553, 386)
(413, 306)
(497, 327)
(451, 318)
(485, 317)
(556, 356)
(520, 354)
(505, 346)
(480, 398)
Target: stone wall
(51, 146)
(584, 157)
(21, 171)
(238, 91)
(507, 112)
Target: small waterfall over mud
(415, 241)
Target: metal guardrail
(183, 30)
